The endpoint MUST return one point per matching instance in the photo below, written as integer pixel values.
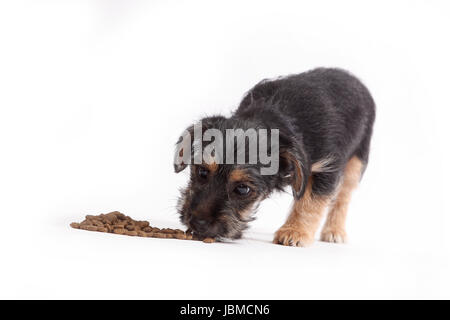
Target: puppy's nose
(199, 224)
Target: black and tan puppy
(324, 119)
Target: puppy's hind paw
(333, 235)
(292, 237)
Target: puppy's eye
(242, 190)
(202, 172)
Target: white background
(94, 94)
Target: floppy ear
(186, 148)
(183, 150)
(295, 166)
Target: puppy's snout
(199, 224)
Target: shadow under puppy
(324, 119)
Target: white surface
(94, 94)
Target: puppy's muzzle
(199, 225)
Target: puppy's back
(329, 108)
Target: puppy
(323, 119)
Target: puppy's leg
(303, 221)
(334, 227)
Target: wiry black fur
(321, 114)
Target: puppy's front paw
(292, 237)
(333, 235)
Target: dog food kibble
(119, 231)
(180, 236)
(118, 223)
(143, 224)
(97, 223)
(141, 234)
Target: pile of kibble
(116, 222)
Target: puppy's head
(220, 199)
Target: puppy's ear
(183, 150)
(191, 139)
(293, 164)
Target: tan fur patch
(334, 228)
(297, 183)
(322, 165)
(303, 220)
(238, 175)
(212, 166)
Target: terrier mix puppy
(324, 120)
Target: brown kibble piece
(209, 240)
(102, 229)
(130, 227)
(75, 225)
(108, 218)
(97, 223)
(131, 233)
(143, 224)
(119, 231)
(121, 216)
(180, 236)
